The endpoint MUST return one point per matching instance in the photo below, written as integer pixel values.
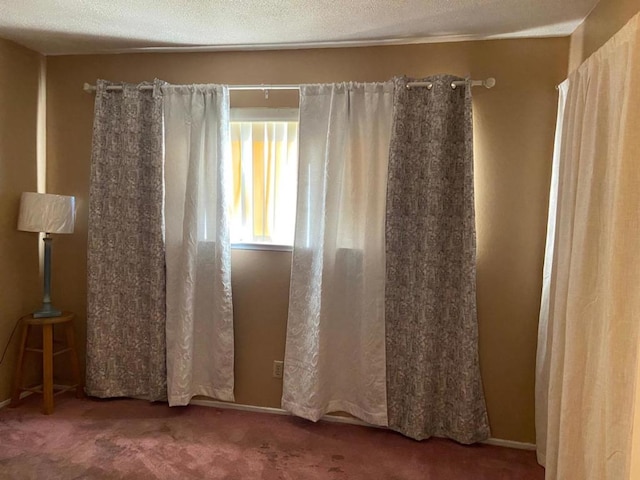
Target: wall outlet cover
(278, 367)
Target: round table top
(65, 317)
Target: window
(264, 153)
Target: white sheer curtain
(335, 348)
(545, 324)
(590, 338)
(198, 256)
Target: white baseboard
(338, 419)
(238, 406)
(499, 442)
(276, 411)
(8, 400)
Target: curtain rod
(116, 88)
(487, 83)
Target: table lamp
(46, 213)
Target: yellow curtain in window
(264, 156)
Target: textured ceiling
(90, 26)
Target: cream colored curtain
(635, 442)
(265, 160)
(589, 341)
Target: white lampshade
(44, 212)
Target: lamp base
(46, 311)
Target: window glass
(264, 156)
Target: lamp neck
(47, 268)
(47, 310)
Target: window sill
(262, 246)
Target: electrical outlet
(278, 367)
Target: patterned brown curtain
(433, 376)
(126, 276)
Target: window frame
(263, 114)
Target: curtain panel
(545, 322)
(125, 258)
(433, 374)
(199, 327)
(335, 353)
(589, 335)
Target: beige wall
(514, 126)
(605, 19)
(19, 275)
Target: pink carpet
(132, 439)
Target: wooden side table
(47, 351)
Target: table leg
(75, 366)
(47, 368)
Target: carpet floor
(133, 439)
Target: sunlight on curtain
(265, 169)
